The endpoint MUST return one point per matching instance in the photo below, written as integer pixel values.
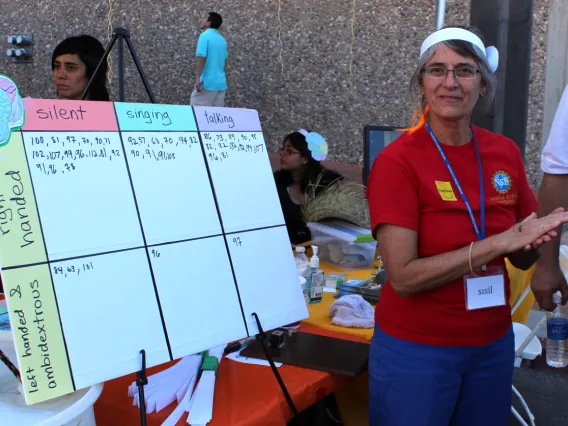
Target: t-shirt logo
(501, 182)
(445, 190)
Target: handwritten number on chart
(237, 241)
(71, 270)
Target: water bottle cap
(300, 249)
(557, 297)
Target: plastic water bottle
(315, 279)
(557, 336)
(300, 255)
(302, 262)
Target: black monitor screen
(376, 138)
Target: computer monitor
(376, 138)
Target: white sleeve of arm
(554, 158)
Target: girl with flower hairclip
(300, 169)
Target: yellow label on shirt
(446, 191)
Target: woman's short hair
(462, 48)
(90, 51)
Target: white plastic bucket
(69, 410)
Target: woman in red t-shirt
(448, 202)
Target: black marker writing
(221, 146)
(63, 154)
(18, 211)
(148, 116)
(219, 118)
(55, 113)
(42, 335)
(23, 329)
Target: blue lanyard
(480, 232)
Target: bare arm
(548, 278)
(553, 194)
(409, 274)
(200, 63)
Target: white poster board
(137, 226)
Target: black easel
(120, 34)
(141, 380)
(261, 337)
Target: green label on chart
(21, 241)
(37, 333)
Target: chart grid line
(144, 238)
(48, 265)
(210, 177)
(65, 259)
(255, 229)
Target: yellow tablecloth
(319, 312)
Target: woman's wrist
(497, 245)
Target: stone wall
(331, 66)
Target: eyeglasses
(460, 73)
(287, 151)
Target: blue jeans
(412, 384)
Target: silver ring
(541, 226)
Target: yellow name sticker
(446, 191)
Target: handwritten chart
(133, 226)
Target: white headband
(491, 53)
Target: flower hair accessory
(491, 53)
(316, 144)
(12, 111)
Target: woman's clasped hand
(532, 232)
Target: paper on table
(169, 385)
(236, 356)
(183, 406)
(329, 289)
(183, 390)
(202, 408)
(331, 283)
(201, 411)
(188, 374)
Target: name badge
(486, 289)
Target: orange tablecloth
(244, 394)
(249, 395)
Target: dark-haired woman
(300, 169)
(73, 63)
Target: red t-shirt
(402, 191)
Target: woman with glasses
(448, 202)
(300, 168)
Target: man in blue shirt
(210, 81)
